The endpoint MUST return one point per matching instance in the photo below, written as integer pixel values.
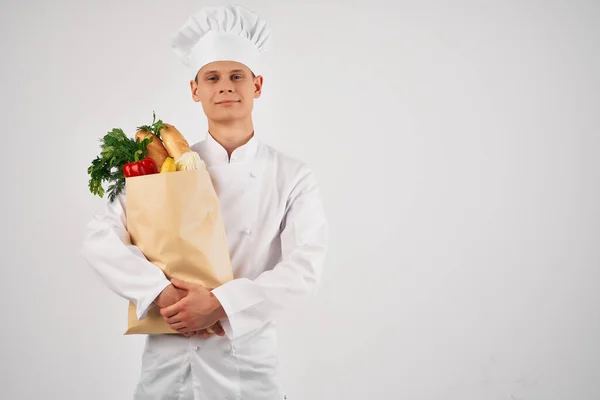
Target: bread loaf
(174, 141)
(155, 149)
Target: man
(275, 224)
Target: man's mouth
(228, 101)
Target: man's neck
(231, 135)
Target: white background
(457, 148)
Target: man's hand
(216, 328)
(198, 310)
(169, 296)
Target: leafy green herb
(117, 150)
(154, 128)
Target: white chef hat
(221, 33)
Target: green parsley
(117, 150)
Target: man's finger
(177, 326)
(173, 319)
(205, 334)
(172, 309)
(182, 284)
(187, 330)
(218, 329)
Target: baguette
(174, 141)
(155, 149)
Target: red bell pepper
(146, 166)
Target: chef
(275, 224)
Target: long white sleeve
(122, 266)
(304, 235)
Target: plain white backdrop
(456, 143)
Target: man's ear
(258, 84)
(194, 89)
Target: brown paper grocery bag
(175, 219)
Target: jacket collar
(214, 154)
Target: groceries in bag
(173, 212)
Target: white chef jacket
(277, 235)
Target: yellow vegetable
(168, 165)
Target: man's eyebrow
(216, 72)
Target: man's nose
(225, 86)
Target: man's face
(226, 90)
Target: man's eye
(237, 77)
(212, 78)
